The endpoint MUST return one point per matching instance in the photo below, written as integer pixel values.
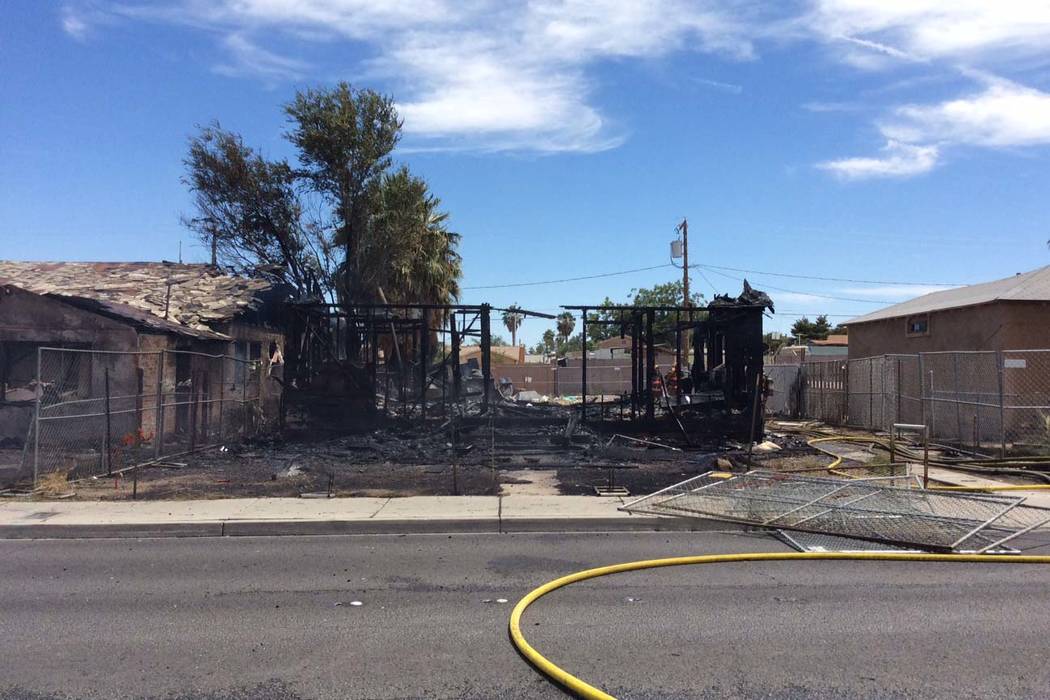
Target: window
(67, 372)
(918, 325)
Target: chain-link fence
(1025, 407)
(100, 412)
(987, 401)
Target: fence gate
(824, 390)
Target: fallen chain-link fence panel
(815, 542)
(882, 509)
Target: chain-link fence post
(922, 391)
(958, 399)
(1002, 403)
(244, 397)
(871, 394)
(158, 431)
(36, 433)
(108, 454)
(222, 394)
(897, 412)
(882, 390)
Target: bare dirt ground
(542, 452)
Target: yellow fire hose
(832, 468)
(585, 690)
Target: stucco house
(1006, 314)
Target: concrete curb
(276, 528)
(68, 532)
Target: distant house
(617, 348)
(1007, 314)
(140, 307)
(834, 347)
(499, 354)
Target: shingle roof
(200, 295)
(1027, 286)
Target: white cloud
(959, 29)
(474, 93)
(490, 74)
(252, 60)
(73, 24)
(1004, 114)
(584, 29)
(478, 74)
(898, 160)
(731, 88)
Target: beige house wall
(995, 326)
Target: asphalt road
(270, 618)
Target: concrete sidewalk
(306, 516)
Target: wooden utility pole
(685, 337)
(684, 228)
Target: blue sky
(896, 143)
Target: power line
(570, 279)
(716, 269)
(705, 279)
(816, 313)
(811, 294)
(822, 279)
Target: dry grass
(53, 484)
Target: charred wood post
(583, 363)
(486, 353)
(650, 365)
(698, 369)
(424, 361)
(454, 341)
(373, 344)
(636, 365)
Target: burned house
(699, 375)
(142, 325)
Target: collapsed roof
(196, 296)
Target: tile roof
(200, 295)
(1027, 286)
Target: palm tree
(548, 341)
(566, 324)
(512, 318)
(408, 250)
